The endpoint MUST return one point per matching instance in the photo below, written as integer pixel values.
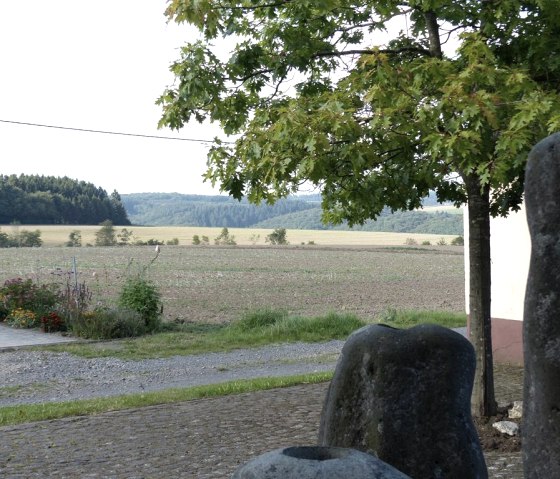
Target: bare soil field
(218, 284)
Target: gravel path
(39, 376)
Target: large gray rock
(405, 396)
(541, 324)
(313, 462)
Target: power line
(109, 132)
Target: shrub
(173, 242)
(140, 295)
(278, 236)
(441, 242)
(458, 241)
(74, 239)
(125, 237)
(196, 240)
(106, 235)
(26, 295)
(30, 239)
(108, 323)
(225, 238)
(410, 242)
(21, 238)
(52, 322)
(205, 239)
(426, 243)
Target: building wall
(510, 250)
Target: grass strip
(11, 415)
(256, 328)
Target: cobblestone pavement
(199, 439)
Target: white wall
(510, 250)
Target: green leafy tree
(313, 97)
(74, 239)
(278, 236)
(125, 237)
(106, 236)
(225, 238)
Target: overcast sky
(94, 65)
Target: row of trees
(376, 123)
(34, 199)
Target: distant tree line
(299, 212)
(165, 209)
(34, 199)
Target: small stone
(507, 427)
(516, 411)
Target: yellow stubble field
(57, 235)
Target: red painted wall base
(507, 341)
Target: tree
(106, 236)
(74, 239)
(125, 237)
(278, 236)
(313, 97)
(225, 238)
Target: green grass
(408, 318)
(255, 329)
(39, 412)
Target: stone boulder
(541, 327)
(313, 462)
(404, 395)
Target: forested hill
(298, 212)
(34, 199)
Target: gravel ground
(39, 376)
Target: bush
(458, 241)
(26, 295)
(140, 295)
(426, 243)
(52, 322)
(108, 323)
(74, 239)
(22, 238)
(441, 242)
(106, 236)
(225, 238)
(410, 242)
(196, 240)
(278, 236)
(30, 239)
(173, 242)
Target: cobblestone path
(199, 439)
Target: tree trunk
(483, 401)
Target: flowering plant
(22, 318)
(52, 322)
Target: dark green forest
(34, 199)
(298, 212)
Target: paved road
(15, 338)
(199, 439)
